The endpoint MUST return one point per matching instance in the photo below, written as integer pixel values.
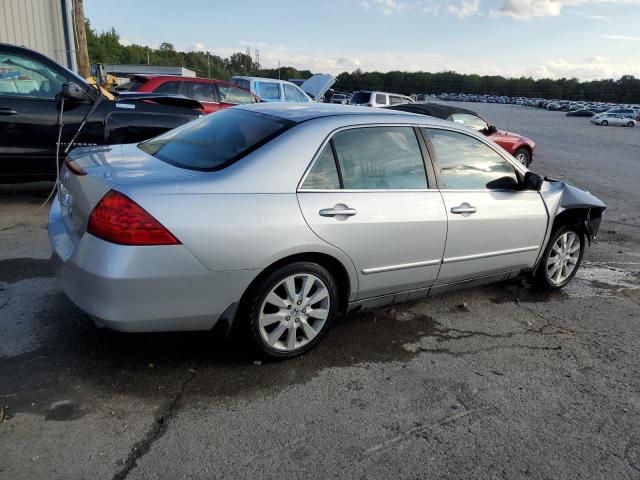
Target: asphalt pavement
(501, 381)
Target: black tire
(604, 123)
(542, 278)
(631, 124)
(523, 156)
(256, 299)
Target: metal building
(42, 25)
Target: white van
(367, 98)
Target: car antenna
(509, 121)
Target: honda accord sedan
(275, 218)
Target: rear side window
(381, 99)
(217, 140)
(268, 91)
(393, 100)
(169, 87)
(378, 158)
(203, 92)
(324, 174)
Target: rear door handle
(7, 111)
(464, 209)
(338, 210)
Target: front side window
(235, 95)
(215, 141)
(268, 91)
(324, 174)
(380, 158)
(468, 120)
(21, 76)
(202, 92)
(381, 99)
(292, 94)
(467, 163)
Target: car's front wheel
(604, 123)
(523, 156)
(561, 259)
(292, 309)
(631, 124)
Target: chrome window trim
(490, 254)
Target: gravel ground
(515, 383)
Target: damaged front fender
(566, 203)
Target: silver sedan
(275, 218)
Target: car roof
(261, 79)
(302, 112)
(437, 110)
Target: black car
(30, 101)
(581, 113)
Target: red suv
(214, 95)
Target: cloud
(525, 9)
(597, 17)
(621, 37)
(466, 8)
(196, 47)
(593, 68)
(387, 7)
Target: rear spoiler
(160, 98)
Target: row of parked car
(601, 113)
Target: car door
(493, 227)
(205, 93)
(29, 115)
(367, 194)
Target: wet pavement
(501, 381)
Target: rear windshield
(217, 140)
(361, 97)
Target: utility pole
(82, 53)
(278, 69)
(208, 66)
(148, 62)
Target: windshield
(217, 140)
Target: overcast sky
(542, 38)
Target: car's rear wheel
(292, 309)
(604, 123)
(523, 156)
(631, 124)
(561, 259)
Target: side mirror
(492, 129)
(73, 92)
(503, 183)
(532, 181)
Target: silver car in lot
(275, 218)
(614, 119)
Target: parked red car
(214, 95)
(522, 148)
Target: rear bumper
(141, 289)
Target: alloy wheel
(522, 158)
(294, 312)
(563, 257)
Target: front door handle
(337, 211)
(465, 209)
(7, 111)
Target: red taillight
(119, 219)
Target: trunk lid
(318, 85)
(106, 167)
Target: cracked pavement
(501, 381)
